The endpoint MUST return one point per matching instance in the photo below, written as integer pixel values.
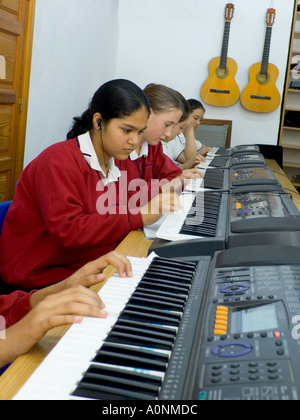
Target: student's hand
(164, 203)
(194, 161)
(189, 174)
(66, 307)
(204, 150)
(188, 128)
(88, 275)
(179, 183)
(95, 267)
(192, 173)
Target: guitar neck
(224, 52)
(266, 53)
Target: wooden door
(16, 31)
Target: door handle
(2, 67)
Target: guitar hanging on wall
(261, 94)
(220, 88)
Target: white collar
(144, 152)
(88, 151)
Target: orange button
(222, 308)
(222, 316)
(221, 321)
(218, 332)
(220, 327)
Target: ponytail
(81, 124)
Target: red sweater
(14, 307)
(53, 227)
(152, 169)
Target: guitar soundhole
(263, 78)
(222, 72)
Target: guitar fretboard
(266, 53)
(224, 52)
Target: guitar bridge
(266, 98)
(219, 91)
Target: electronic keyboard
(252, 175)
(234, 160)
(220, 329)
(252, 205)
(245, 149)
(142, 350)
(241, 159)
(224, 151)
(252, 218)
(258, 218)
(215, 161)
(203, 217)
(248, 344)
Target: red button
(277, 334)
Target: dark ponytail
(81, 125)
(115, 99)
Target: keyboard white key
(195, 185)
(172, 224)
(205, 165)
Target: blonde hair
(164, 99)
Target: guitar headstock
(270, 18)
(229, 11)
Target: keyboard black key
(141, 358)
(111, 382)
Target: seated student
(148, 162)
(182, 149)
(28, 316)
(56, 222)
(197, 115)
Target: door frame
(24, 88)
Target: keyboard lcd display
(262, 318)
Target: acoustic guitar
(220, 88)
(261, 94)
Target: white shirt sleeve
(198, 144)
(173, 148)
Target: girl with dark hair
(57, 221)
(197, 115)
(116, 99)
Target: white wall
(74, 52)
(172, 42)
(80, 44)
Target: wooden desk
(135, 245)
